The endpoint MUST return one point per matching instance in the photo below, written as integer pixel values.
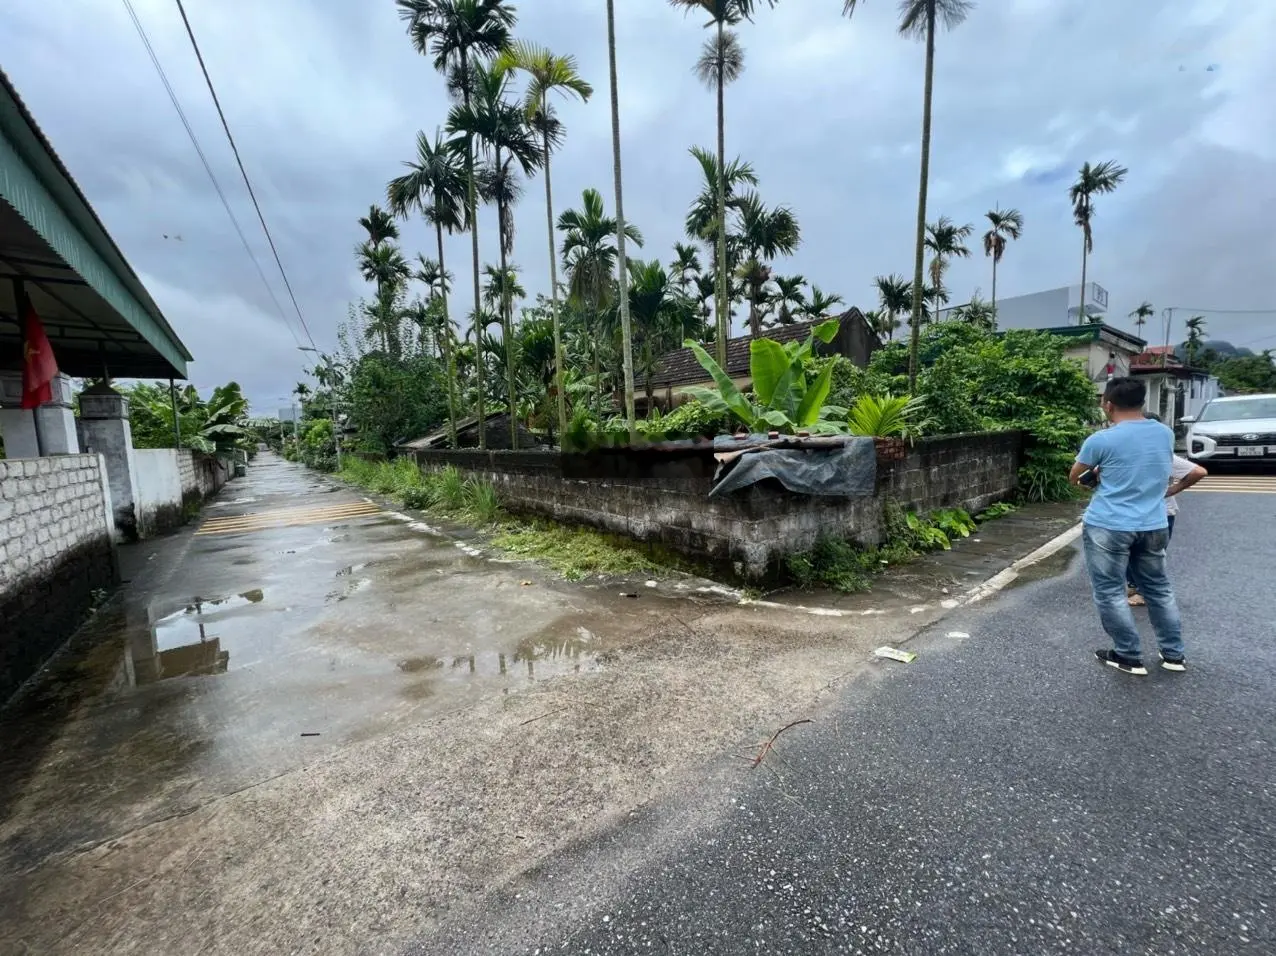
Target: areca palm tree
(384, 265)
(1091, 181)
(721, 62)
(946, 240)
(1004, 226)
(548, 73)
(655, 317)
(1195, 337)
(501, 130)
(379, 225)
(895, 298)
(764, 235)
(459, 34)
(789, 297)
(622, 277)
(590, 255)
(435, 185)
(819, 303)
(920, 20)
(438, 282)
(1141, 316)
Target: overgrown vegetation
(217, 426)
(841, 565)
(575, 553)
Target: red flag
(39, 367)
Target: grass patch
(576, 553)
(841, 565)
(573, 552)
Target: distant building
(681, 369)
(1046, 310)
(496, 429)
(1104, 352)
(1175, 390)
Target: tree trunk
(445, 342)
(553, 283)
(1081, 318)
(622, 266)
(994, 293)
(920, 252)
(724, 287)
(474, 237)
(755, 318)
(507, 317)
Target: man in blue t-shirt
(1126, 527)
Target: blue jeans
(1109, 555)
(1169, 536)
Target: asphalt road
(1004, 793)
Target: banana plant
(785, 396)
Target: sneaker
(1126, 665)
(1176, 664)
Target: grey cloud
(325, 98)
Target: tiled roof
(682, 367)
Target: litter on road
(895, 654)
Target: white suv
(1239, 428)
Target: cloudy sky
(325, 96)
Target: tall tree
(819, 302)
(548, 73)
(895, 298)
(382, 264)
(459, 34)
(1195, 338)
(435, 184)
(1141, 316)
(946, 240)
(501, 131)
(622, 271)
(1004, 225)
(764, 235)
(685, 269)
(1091, 181)
(920, 19)
(654, 315)
(789, 297)
(590, 254)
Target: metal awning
(97, 314)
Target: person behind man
(1183, 475)
(1126, 526)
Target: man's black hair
(1126, 393)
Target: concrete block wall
(661, 496)
(55, 552)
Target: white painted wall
(158, 478)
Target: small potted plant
(891, 421)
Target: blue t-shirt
(1134, 459)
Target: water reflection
(180, 645)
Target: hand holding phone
(1089, 478)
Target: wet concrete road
(1002, 794)
(296, 619)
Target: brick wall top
(48, 507)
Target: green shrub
(481, 501)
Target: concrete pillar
(104, 429)
(57, 432)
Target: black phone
(1089, 479)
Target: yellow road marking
(287, 517)
(1238, 484)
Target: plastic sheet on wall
(839, 466)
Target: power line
(247, 182)
(172, 95)
(1184, 308)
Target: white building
(1050, 309)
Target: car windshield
(1244, 409)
